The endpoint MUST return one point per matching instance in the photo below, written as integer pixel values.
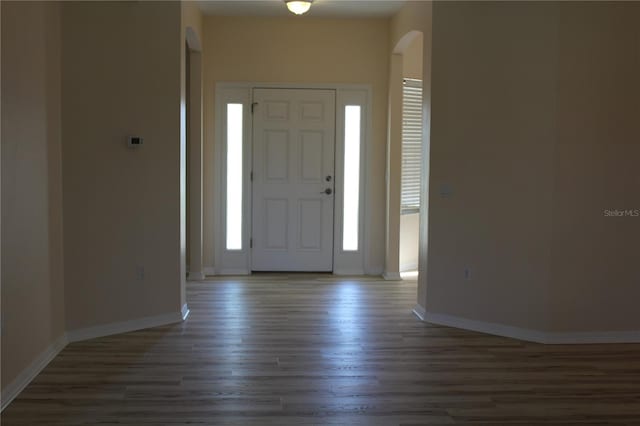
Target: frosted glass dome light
(298, 7)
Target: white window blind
(411, 145)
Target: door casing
(238, 262)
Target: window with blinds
(411, 145)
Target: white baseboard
(14, 388)
(419, 312)
(28, 374)
(485, 327)
(124, 326)
(195, 276)
(209, 270)
(185, 312)
(526, 334)
(348, 272)
(392, 276)
(231, 271)
(632, 336)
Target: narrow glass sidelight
(234, 177)
(351, 204)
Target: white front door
(293, 176)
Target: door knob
(327, 191)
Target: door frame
(238, 262)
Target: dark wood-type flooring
(321, 350)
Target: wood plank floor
(318, 350)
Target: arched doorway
(404, 157)
(193, 176)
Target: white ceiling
(319, 8)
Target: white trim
(25, 377)
(348, 272)
(124, 326)
(594, 337)
(185, 312)
(233, 271)
(526, 334)
(485, 327)
(195, 276)
(224, 258)
(392, 276)
(419, 311)
(238, 262)
(209, 270)
(262, 85)
(13, 389)
(352, 261)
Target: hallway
(306, 349)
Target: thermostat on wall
(134, 141)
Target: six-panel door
(293, 176)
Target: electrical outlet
(467, 273)
(140, 273)
(445, 190)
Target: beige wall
(412, 59)
(121, 76)
(192, 18)
(535, 130)
(409, 241)
(595, 275)
(492, 139)
(413, 16)
(301, 50)
(32, 273)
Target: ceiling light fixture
(298, 7)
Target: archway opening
(405, 157)
(193, 169)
